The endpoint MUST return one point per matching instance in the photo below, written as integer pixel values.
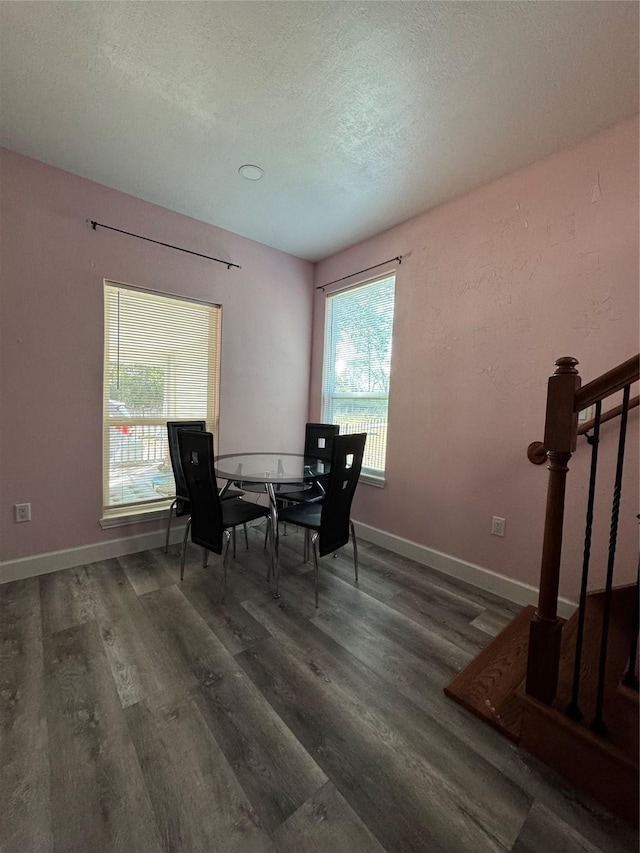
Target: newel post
(560, 435)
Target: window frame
(371, 476)
(120, 514)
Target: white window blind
(161, 362)
(357, 364)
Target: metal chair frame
(204, 491)
(328, 526)
(176, 465)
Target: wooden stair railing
(567, 691)
(565, 399)
(624, 373)
(587, 426)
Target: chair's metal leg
(171, 508)
(355, 548)
(268, 533)
(285, 504)
(224, 564)
(305, 555)
(270, 561)
(246, 535)
(205, 558)
(275, 559)
(234, 543)
(275, 551)
(314, 539)
(184, 548)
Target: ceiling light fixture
(251, 173)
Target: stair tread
(488, 685)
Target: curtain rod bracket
(228, 264)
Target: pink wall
(494, 286)
(51, 341)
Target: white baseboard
(55, 561)
(512, 590)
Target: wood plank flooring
(141, 714)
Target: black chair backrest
(346, 463)
(196, 458)
(174, 455)
(318, 440)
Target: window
(357, 362)
(161, 362)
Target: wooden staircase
(558, 688)
(604, 765)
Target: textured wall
(496, 285)
(51, 338)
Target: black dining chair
(212, 519)
(329, 521)
(180, 503)
(318, 444)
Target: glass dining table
(271, 470)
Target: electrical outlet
(23, 512)
(497, 526)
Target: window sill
(143, 515)
(133, 515)
(373, 480)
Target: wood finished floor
(140, 714)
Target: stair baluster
(598, 725)
(630, 678)
(573, 708)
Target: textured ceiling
(362, 114)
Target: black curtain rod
(398, 258)
(95, 225)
